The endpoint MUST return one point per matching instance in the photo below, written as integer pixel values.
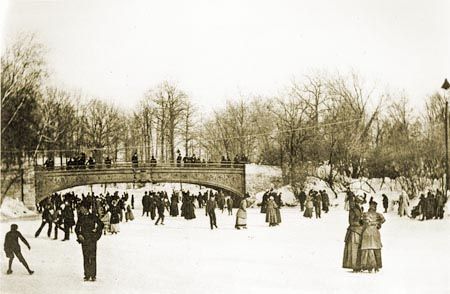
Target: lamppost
(446, 86)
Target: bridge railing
(143, 165)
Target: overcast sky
(219, 50)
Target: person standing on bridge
(135, 160)
(210, 211)
(12, 247)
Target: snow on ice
(299, 256)
(14, 208)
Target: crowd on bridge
(81, 161)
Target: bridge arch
(230, 179)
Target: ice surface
(299, 256)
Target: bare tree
(170, 103)
(103, 126)
(23, 70)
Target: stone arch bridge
(46, 182)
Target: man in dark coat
(47, 218)
(160, 205)
(317, 204)
(325, 201)
(302, 199)
(210, 211)
(135, 160)
(230, 205)
(145, 204)
(89, 230)
(385, 203)
(12, 247)
(68, 220)
(265, 198)
(152, 205)
(440, 202)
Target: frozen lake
(299, 256)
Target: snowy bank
(13, 208)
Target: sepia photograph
(239, 146)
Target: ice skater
(210, 211)
(89, 230)
(230, 205)
(12, 248)
(47, 218)
(160, 205)
(371, 239)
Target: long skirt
(371, 259)
(271, 216)
(106, 223)
(174, 209)
(189, 212)
(241, 218)
(351, 251)
(263, 208)
(129, 216)
(277, 210)
(308, 212)
(115, 228)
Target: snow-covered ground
(299, 256)
(13, 208)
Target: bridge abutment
(20, 184)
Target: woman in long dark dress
(353, 235)
(174, 205)
(190, 208)
(115, 217)
(271, 213)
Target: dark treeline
(322, 118)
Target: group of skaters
(316, 201)
(97, 215)
(430, 206)
(270, 205)
(59, 210)
(158, 202)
